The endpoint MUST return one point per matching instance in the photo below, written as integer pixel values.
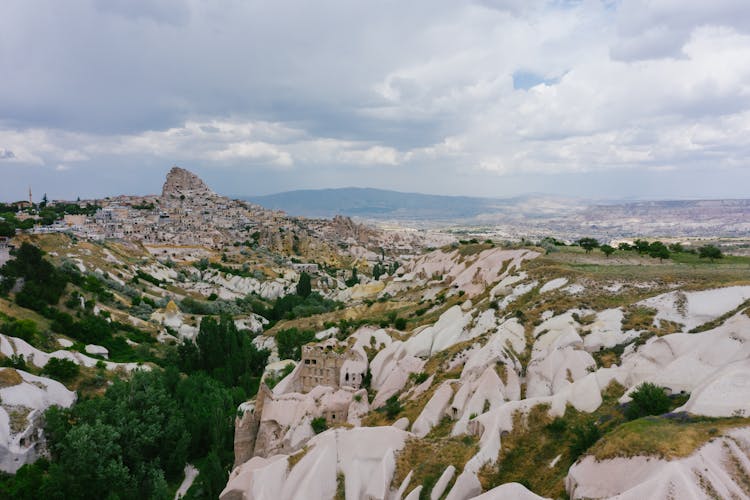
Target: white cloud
(658, 84)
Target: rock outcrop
(24, 398)
(181, 182)
(719, 469)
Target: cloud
(6, 154)
(307, 92)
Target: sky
(590, 98)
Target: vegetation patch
(429, 457)
(537, 440)
(18, 416)
(670, 436)
(296, 457)
(638, 318)
(340, 487)
(9, 377)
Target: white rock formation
(23, 400)
(97, 350)
(704, 474)
(693, 309)
(10, 346)
(725, 393)
(364, 455)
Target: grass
(638, 318)
(721, 319)
(340, 487)
(663, 437)
(9, 377)
(471, 249)
(11, 310)
(695, 273)
(296, 457)
(429, 457)
(537, 439)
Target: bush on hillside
(648, 399)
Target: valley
(186, 344)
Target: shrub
(557, 426)
(290, 342)
(584, 437)
(61, 369)
(392, 407)
(710, 252)
(319, 424)
(648, 399)
(400, 323)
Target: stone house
(330, 363)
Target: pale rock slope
(470, 274)
(692, 309)
(10, 346)
(682, 361)
(23, 400)
(719, 469)
(365, 456)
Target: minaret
(31, 201)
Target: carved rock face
(182, 182)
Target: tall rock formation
(181, 182)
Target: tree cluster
(133, 442)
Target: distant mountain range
(384, 204)
(533, 214)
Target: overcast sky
(604, 99)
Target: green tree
(647, 399)
(607, 249)
(588, 244)
(584, 436)
(711, 252)
(377, 271)
(290, 342)
(641, 246)
(212, 478)
(392, 407)
(6, 229)
(304, 286)
(227, 354)
(658, 250)
(209, 412)
(676, 248)
(319, 424)
(63, 370)
(88, 463)
(354, 278)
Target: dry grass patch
(9, 377)
(537, 439)
(18, 416)
(428, 458)
(296, 457)
(638, 318)
(662, 437)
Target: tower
(31, 201)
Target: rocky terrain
(326, 359)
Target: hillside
(236, 369)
